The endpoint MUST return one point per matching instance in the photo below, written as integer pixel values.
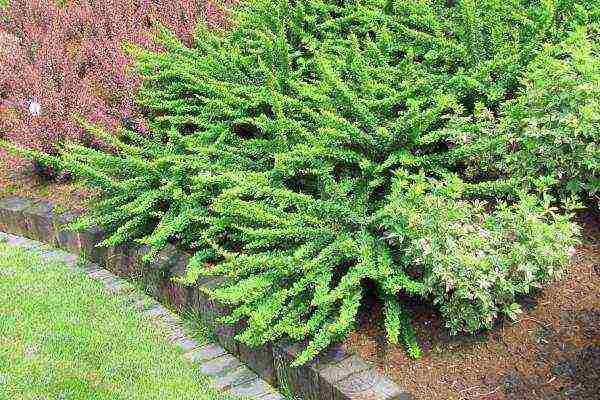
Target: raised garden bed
(552, 351)
(336, 375)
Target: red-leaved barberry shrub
(58, 58)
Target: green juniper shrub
(321, 145)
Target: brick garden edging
(225, 372)
(335, 375)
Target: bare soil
(551, 353)
(18, 178)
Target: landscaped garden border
(335, 375)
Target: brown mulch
(551, 353)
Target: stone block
(219, 367)
(271, 396)
(331, 373)
(198, 300)
(141, 303)
(205, 353)
(11, 215)
(225, 334)
(25, 243)
(118, 286)
(87, 241)
(178, 293)
(369, 385)
(254, 389)
(335, 374)
(69, 259)
(236, 377)
(66, 239)
(101, 274)
(156, 311)
(40, 222)
(299, 380)
(306, 380)
(185, 344)
(259, 359)
(117, 259)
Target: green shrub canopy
(322, 145)
(553, 127)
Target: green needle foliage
(322, 146)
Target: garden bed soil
(17, 178)
(552, 352)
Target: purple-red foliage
(56, 60)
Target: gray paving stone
(99, 274)
(109, 280)
(176, 334)
(92, 271)
(335, 372)
(255, 389)
(118, 286)
(236, 377)
(141, 303)
(220, 366)
(205, 353)
(89, 267)
(169, 318)
(60, 256)
(369, 385)
(27, 244)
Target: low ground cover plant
(61, 57)
(320, 147)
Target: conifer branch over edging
(334, 375)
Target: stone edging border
(225, 372)
(335, 375)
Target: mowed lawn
(62, 336)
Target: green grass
(63, 337)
